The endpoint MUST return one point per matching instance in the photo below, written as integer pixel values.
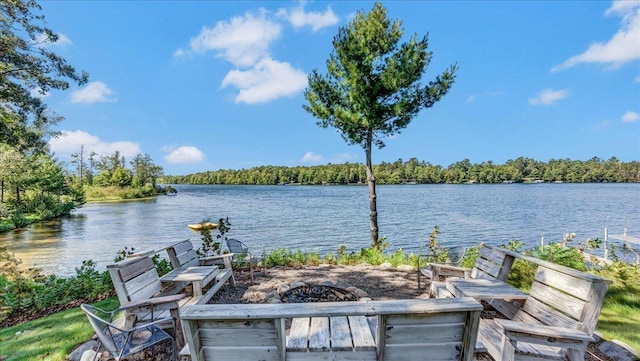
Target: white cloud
(471, 98)
(179, 53)
(266, 81)
(94, 92)
(548, 96)
(243, 40)
(311, 157)
(37, 92)
(630, 116)
(621, 48)
(63, 41)
(70, 141)
(637, 79)
(184, 154)
(316, 20)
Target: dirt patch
(379, 282)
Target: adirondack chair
(557, 320)
(182, 255)
(141, 294)
(492, 263)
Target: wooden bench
(426, 329)
(557, 320)
(492, 263)
(182, 255)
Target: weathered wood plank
(409, 352)
(240, 354)
(488, 267)
(144, 286)
(298, 334)
(329, 309)
(361, 333)
(541, 313)
(319, 334)
(424, 334)
(340, 334)
(250, 336)
(133, 268)
(575, 286)
(559, 300)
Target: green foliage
(29, 70)
(163, 266)
(26, 291)
(211, 247)
(415, 171)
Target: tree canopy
(28, 70)
(373, 86)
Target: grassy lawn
(49, 338)
(620, 316)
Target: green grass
(49, 338)
(620, 315)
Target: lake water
(321, 218)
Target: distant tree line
(520, 170)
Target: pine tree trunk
(371, 181)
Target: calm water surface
(321, 218)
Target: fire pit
(317, 293)
(326, 291)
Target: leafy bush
(29, 291)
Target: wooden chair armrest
(449, 267)
(211, 260)
(152, 302)
(217, 257)
(529, 330)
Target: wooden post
(606, 247)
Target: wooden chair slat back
(181, 253)
(535, 311)
(488, 264)
(145, 286)
(132, 269)
(135, 279)
(564, 299)
(577, 287)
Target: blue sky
(207, 85)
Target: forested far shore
(413, 171)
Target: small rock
(618, 350)
(297, 284)
(359, 293)
(326, 283)
(405, 267)
(275, 300)
(365, 299)
(386, 265)
(84, 352)
(284, 288)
